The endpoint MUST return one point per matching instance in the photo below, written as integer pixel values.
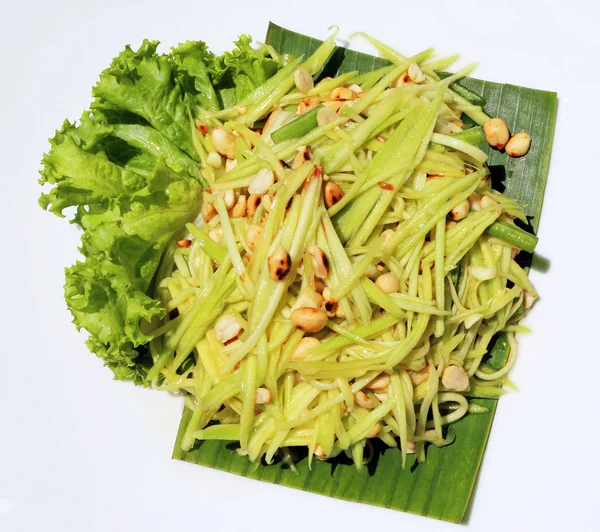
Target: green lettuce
(129, 172)
(237, 73)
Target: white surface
(80, 452)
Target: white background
(80, 452)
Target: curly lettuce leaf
(123, 243)
(145, 83)
(129, 170)
(131, 205)
(195, 63)
(237, 73)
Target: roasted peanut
(214, 159)
(402, 79)
(302, 156)
(308, 298)
(307, 104)
(229, 198)
(342, 93)
(252, 204)
(208, 209)
(263, 396)
(331, 307)
(375, 430)
(518, 145)
(224, 142)
(326, 115)
(230, 164)
(279, 263)
(362, 399)
(332, 193)
(303, 80)
(267, 202)
(417, 377)
(474, 201)
(496, 132)
(461, 210)
(227, 328)
(317, 285)
(239, 209)
(379, 383)
(308, 319)
(487, 201)
(306, 344)
(262, 181)
(253, 235)
(382, 396)
(455, 378)
(415, 73)
(319, 261)
(388, 283)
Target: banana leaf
(443, 486)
